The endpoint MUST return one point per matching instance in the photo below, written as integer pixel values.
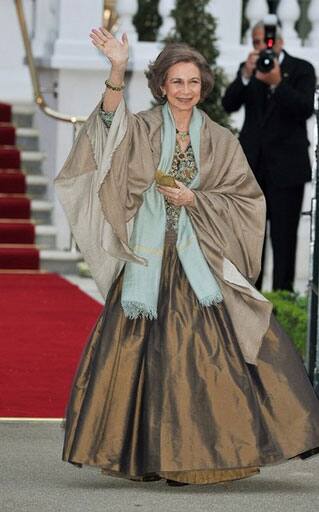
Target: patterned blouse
(183, 169)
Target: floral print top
(183, 169)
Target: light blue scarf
(141, 283)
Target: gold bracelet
(113, 87)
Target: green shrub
(147, 20)
(290, 310)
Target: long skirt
(174, 398)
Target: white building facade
(72, 72)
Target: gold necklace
(182, 134)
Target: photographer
(274, 138)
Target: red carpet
(7, 134)
(12, 181)
(5, 112)
(9, 157)
(14, 256)
(14, 204)
(44, 324)
(18, 232)
(14, 207)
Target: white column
(46, 20)
(313, 15)
(168, 24)
(228, 28)
(126, 11)
(288, 12)
(73, 47)
(256, 10)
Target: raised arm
(117, 53)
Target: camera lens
(266, 61)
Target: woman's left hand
(181, 196)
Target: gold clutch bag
(165, 180)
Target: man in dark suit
(274, 138)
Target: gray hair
(261, 24)
(173, 53)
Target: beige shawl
(101, 185)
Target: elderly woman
(186, 375)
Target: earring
(163, 94)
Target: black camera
(266, 59)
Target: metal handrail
(38, 97)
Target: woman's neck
(182, 119)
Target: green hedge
(290, 310)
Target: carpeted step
(14, 206)
(16, 232)
(12, 181)
(14, 256)
(7, 134)
(5, 113)
(18, 251)
(9, 157)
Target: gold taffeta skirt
(174, 398)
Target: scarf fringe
(133, 310)
(211, 300)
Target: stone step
(45, 236)
(41, 211)
(31, 161)
(62, 262)
(27, 139)
(22, 115)
(36, 185)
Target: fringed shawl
(101, 188)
